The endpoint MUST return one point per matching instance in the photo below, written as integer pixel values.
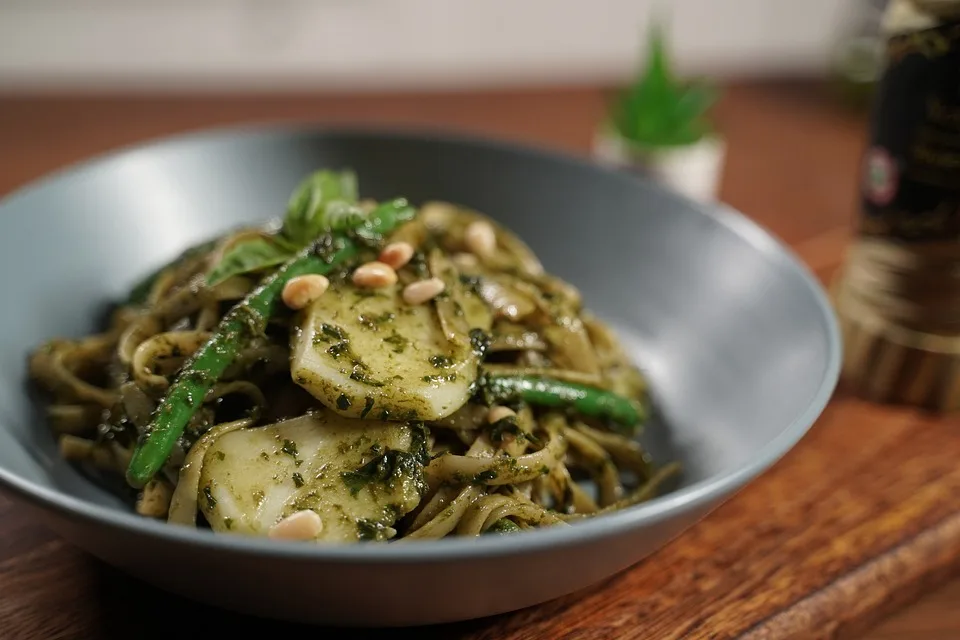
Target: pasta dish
(358, 370)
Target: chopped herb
(367, 406)
(297, 480)
(290, 448)
(441, 361)
(338, 349)
(450, 377)
(343, 402)
(208, 495)
(372, 530)
(373, 322)
(332, 331)
(387, 469)
(479, 342)
(356, 444)
(360, 376)
(258, 497)
(485, 476)
(221, 456)
(420, 441)
(264, 455)
(506, 428)
(228, 523)
(398, 342)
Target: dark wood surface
(857, 521)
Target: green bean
(543, 391)
(238, 327)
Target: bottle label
(910, 181)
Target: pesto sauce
(450, 377)
(503, 525)
(360, 375)
(485, 476)
(373, 323)
(479, 342)
(369, 530)
(397, 341)
(442, 361)
(343, 402)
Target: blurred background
(81, 77)
(309, 45)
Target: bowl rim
(704, 494)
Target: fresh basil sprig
(324, 201)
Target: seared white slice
(253, 478)
(367, 353)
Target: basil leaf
(250, 255)
(140, 291)
(307, 209)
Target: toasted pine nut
(396, 254)
(480, 238)
(422, 290)
(465, 261)
(302, 525)
(374, 275)
(498, 413)
(302, 290)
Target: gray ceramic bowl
(737, 337)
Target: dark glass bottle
(898, 295)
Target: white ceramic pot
(694, 170)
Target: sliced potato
(367, 353)
(252, 478)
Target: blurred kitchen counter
(788, 138)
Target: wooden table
(857, 521)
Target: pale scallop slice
(252, 479)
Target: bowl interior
(738, 342)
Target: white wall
(356, 44)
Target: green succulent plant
(659, 109)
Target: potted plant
(660, 125)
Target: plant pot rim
(714, 138)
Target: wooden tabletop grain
(850, 528)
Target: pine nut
(498, 413)
(480, 238)
(396, 254)
(302, 290)
(374, 275)
(302, 525)
(422, 290)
